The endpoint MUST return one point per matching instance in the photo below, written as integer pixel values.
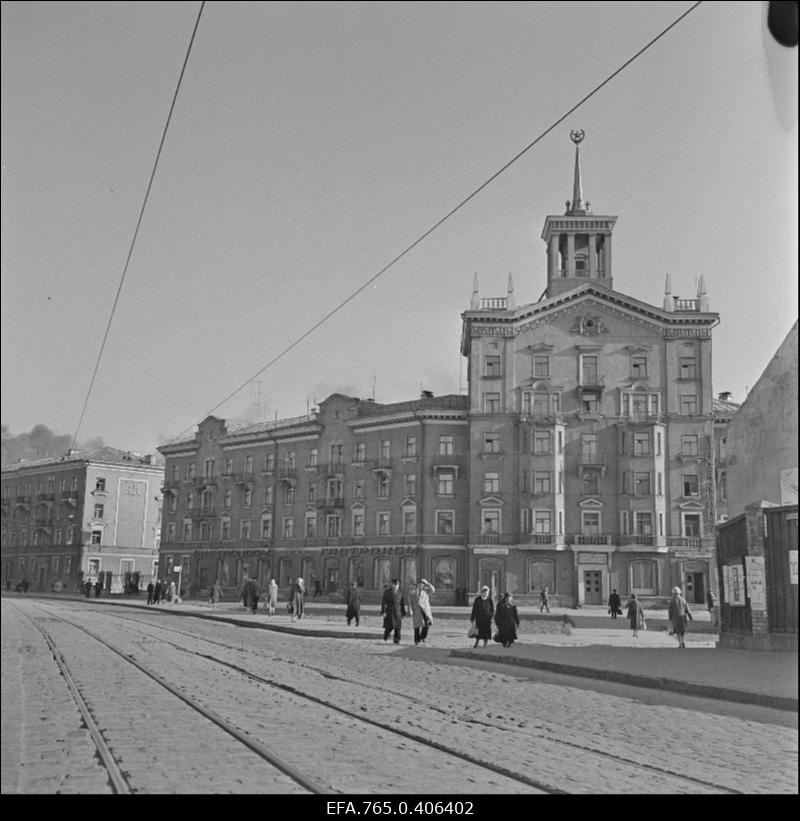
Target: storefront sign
(592, 558)
(496, 551)
(756, 590)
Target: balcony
(46, 497)
(497, 303)
(205, 481)
(23, 501)
(543, 538)
(331, 502)
(334, 468)
(637, 540)
(495, 538)
(695, 542)
(381, 463)
(242, 478)
(595, 539)
(679, 304)
(592, 461)
(202, 513)
(593, 382)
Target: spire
(510, 292)
(577, 184)
(475, 303)
(668, 293)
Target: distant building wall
(762, 436)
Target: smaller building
(83, 517)
(757, 546)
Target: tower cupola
(579, 242)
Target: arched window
(644, 577)
(541, 574)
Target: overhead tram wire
(136, 231)
(447, 216)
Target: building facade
(591, 429)
(355, 491)
(83, 517)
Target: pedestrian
(544, 599)
(421, 610)
(25, 585)
(157, 592)
(216, 594)
(150, 590)
(481, 616)
(507, 620)
(164, 591)
(272, 597)
(87, 589)
(352, 599)
(393, 609)
(317, 588)
(255, 595)
(614, 604)
(98, 588)
(678, 614)
(173, 593)
(635, 615)
(298, 595)
(711, 603)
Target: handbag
(289, 608)
(472, 633)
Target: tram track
(604, 756)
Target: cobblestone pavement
(573, 738)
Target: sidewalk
(598, 647)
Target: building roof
(724, 407)
(449, 401)
(105, 455)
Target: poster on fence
(733, 579)
(756, 589)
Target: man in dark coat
(157, 592)
(614, 604)
(393, 609)
(150, 590)
(352, 599)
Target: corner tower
(579, 242)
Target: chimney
(426, 395)
(725, 396)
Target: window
(444, 573)
(411, 446)
(225, 529)
(689, 444)
(190, 471)
(333, 525)
(541, 403)
(290, 460)
(358, 489)
(410, 488)
(688, 367)
(97, 537)
(385, 449)
(288, 527)
(644, 524)
(98, 511)
(175, 475)
(723, 485)
(311, 492)
(311, 525)
(208, 468)
(383, 486)
(691, 484)
(313, 458)
(383, 573)
(692, 524)
(56, 561)
(446, 445)
(541, 574)
(525, 520)
(336, 453)
(542, 521)
(641, 484)
(491, 443)
(266, 527)
(591, 484)
(541, 481)
(100, 485)
(268, 495)
(171, 531)
(491, 402)
(541, 441)
(358, 523)
(590, 523)
(590, 402)
(409, 521)
(269, 463)
(639, 367)
(445, 522)
(491, 366)
(58, 540)
(660, 483)
(248, 466)
(203, 531)
(491, 482)
(641, 444)
(382, 523)
(688, 404)
(445, 483)
(359, 452)
(227, 499)
(93, 569)
(541, 366)
(643, 577)
(490, 521)
(67, 565)
(288, 493)
(247, 497)
(589, 448)
(589, 375)
(228, 467)
(187, 531)
(172, 504)
(206, 500)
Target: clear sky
(312, 142)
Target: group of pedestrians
(160, 592)
(506, 618)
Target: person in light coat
(272, 597)
(678, 614)
(298, 597)
(421, 614)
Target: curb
(685, 687)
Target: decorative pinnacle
(577, 185)
(577, 136)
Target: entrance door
(592, 586)
(491, 575)
(42, 571)
(695, 588)
(332, 576)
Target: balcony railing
(543, 538)
(46, 497)
(591, 539)
(702, 542)
(331, 501)
(679, 304)
(635, 539)
(334, 468)
(201, 513)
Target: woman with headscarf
(298, 595)
(481, 616)
(507, 620)
(421, 609)
(678, 613)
